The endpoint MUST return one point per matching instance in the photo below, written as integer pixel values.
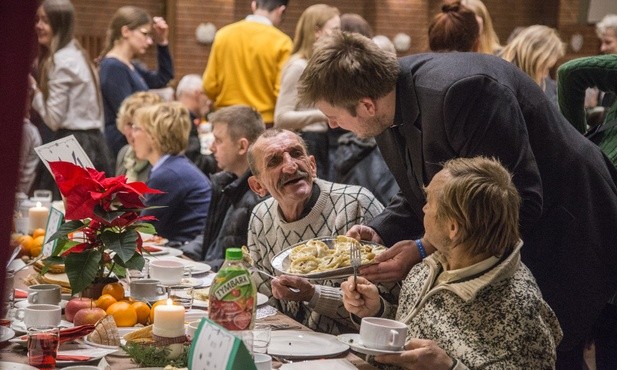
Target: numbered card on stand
(55, 220)
(215, 348)
(66, 149)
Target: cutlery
(13, 255)
(253, 269)
(356, 260)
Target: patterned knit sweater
(337, 209)
(497, 320)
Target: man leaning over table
(425, 109)
(301, 207)
(472, 304)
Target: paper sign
(214, 348)
(53, 224)
(65, 149)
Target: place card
(55, 220)
(215, 348)
(65, 149)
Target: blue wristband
(421, 249)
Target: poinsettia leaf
(82, 268)
(118, 270)
(106, 216)
(124, 244)
(136, 263)
(62, 246)
(145, 228)
(67, 228)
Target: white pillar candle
(37, 217)
(168, 320)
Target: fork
(254, 269)
(356, 260)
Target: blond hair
(168, 124)
(534, 50)
(133, 102)
(312, 20)
(488, 40)
(482, 199)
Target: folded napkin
(20, 294)
(61, 357)
(69, 334)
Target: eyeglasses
(145, 32)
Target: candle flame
(38, 204)
(170, 302)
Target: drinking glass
(43, 342)
(261, 338)
(182, 295)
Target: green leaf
(67, 228)
(145, 228)
(124, 243)
(107, 216)
(118, 270)
(137, 262)
(63, 245)
(82, 268)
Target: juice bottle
(233, 294)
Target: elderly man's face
(286, 171)
(609, 42)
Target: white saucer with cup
(39, 315)
(44, 294)
(146, 289)
(384, 334)
(167, 272)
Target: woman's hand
(161, 31)
(419, 354)
(362, 299)
(282, 288)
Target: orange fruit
(105, 301)
(115, 290)
(143, 312)
(162, 301)
(26, 243)
(37, 245)
(38, 232)
(123, 313)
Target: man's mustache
(291, 177)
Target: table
(14, 353)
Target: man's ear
(313, 166)
(368, 106)
(257, 187)
(243, 146)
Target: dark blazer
(467, 104)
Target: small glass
(181, 294)
(261, 338)
(43, 342)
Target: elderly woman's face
(142, 142)
(609, 42)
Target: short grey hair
(190, 82)
(608, 22)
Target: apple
(76, 304)
(88, 316)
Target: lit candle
(168, 320)
(37, 217)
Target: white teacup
(44, 294)
(40, 315)
(380, 333)
(262, 361)
(146, 289)
(167, 272)
(191, 327)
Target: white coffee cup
(40, 315)
(146, 289)
(262, 361)
(44, 294)
(380, 333)
(167, 272)
(191, 327)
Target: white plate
(298, 344)
(6, 334)
(24, 303)
(261, 299)
(15, 366)
(20, 326)
(196, 267)
(281, 262)
(330, 364)
(354, 341)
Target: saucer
(354, 341)
(20, 327)
(24, 303)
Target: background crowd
(274, 143)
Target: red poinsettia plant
(101, 235)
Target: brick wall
(387, 17)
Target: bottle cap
(233, 254)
